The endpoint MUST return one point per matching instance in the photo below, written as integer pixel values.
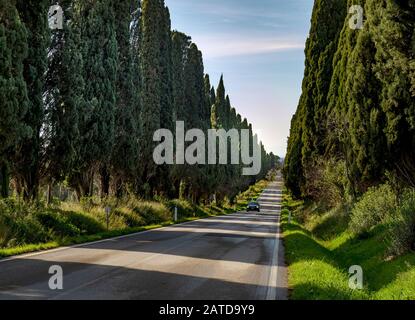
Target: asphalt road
(234, 257)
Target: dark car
(253, 206)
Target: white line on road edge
(273, 278)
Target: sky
(259, 48)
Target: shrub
(375, 207)
(58, 224)
(326, 182)
(401, 236)
(115, 222)
(131, 219)
(331, 224)
(18, 225)
(201, 211)
(23, 230)
(87, 203)
(84, 222)
(152, 212)
(184, 208)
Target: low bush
(84, 222)
(184, 208)
(18, 226)
(152, 212)
(87, 203)
(376, 206)
(58, 223)
(401, 235)
(131, 218)
(329, 225)
(23, 230)
(326, 182)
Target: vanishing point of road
(233, 257)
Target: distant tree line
(357, 109)
(80, 105)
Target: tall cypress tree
(28, 159)
(308, 125)
(180, 47)
(157, 89)
(210, 98)
(393, 30)
(64, 96)
(370, 102)
(219, 107)
(150, 67)
(97, 123)
(125, 152)
(198, 115)
(219, 121)
(13, 93)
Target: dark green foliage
(27, 157)
(154, 100)
(180, 46)
(358, 97)
(219, 115)
(401, 237)
(126, 149)
(13, 93)
(64, 97)
(131, 218)
(97, 124)
(307, 136)
(393, 30)
(57, 223)
(152, 214)
(86, 224)
(18, 224)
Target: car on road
(253, 206)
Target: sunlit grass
(318, 269)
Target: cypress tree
(64, 97)
(180, 47)
(393, 28)
(197, 113)
(156, 94)
(210, 98)
(27, 160)
(370, 102)
(126, 149)
(219, 108)
(13, 93)
(99, 47)
(218, 121)
(365, 119)
(308, 129)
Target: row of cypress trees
(358, 100)
(81, 104)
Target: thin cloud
(220, 8)
(218, 47)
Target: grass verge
(319, 255)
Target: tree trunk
(49, 194)
(31, 186)
(105, 181)
(4, 181)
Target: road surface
(234, 257)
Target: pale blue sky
(259, 47)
